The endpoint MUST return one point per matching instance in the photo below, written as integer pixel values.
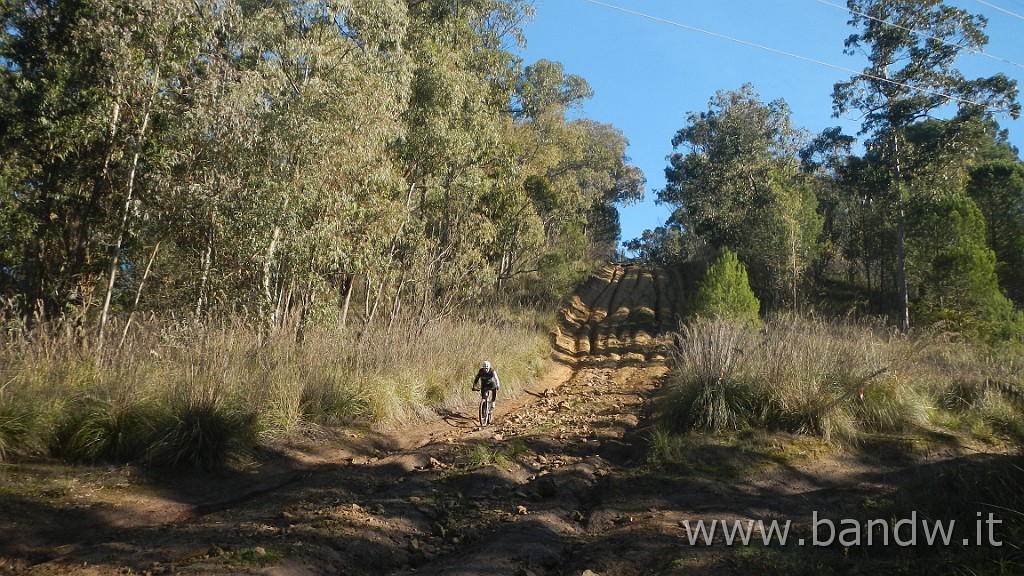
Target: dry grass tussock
(840, 381)
(191, 394)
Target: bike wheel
(484, 412)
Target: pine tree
(725, 292)
(958, 269)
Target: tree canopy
(361, 161)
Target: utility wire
(797, 56)
(921, 34)
(994, 7)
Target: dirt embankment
(559, 485)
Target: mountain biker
(487, 377)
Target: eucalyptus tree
(826, 162)
(578, 169)
(82, 84)
(455, 153)
(739, 186)
(911, 47)
(665, 245)
(283, 184)
(336, 82)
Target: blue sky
(647, 74)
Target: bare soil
(560, 484)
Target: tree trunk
(115, 258)
(347, 295)
(138, 295)
(901, 241)
(205, 273)
(376, 300)
(795, 270)
(901, 269)
(271, 306)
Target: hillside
(561, 484)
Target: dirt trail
(565, 488)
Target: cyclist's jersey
(487, 378)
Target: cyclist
(487, 381)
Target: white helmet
(486, 365)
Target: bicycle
(486, 405)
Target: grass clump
(712, 387)
(200, 430)
(500, 454)
(15, 427)
(99, 429)
(837, 381)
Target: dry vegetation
(199, 394)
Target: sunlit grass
(498, 454)
(839, 381)
(186, 394)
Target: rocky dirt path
(559, 485)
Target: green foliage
(557, 279)
(544, 88)
(665, 245)
(739, 187)
(102, 430)
(348, 162)
(998, 189)
(725, 292)
(911, 73)
(956, 270)
(893, 96)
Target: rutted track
(623, 313)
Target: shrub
(725, 292)
(957, 271)
(798, 375)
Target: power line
(994, 7)
(921, 34)
(796, 56)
